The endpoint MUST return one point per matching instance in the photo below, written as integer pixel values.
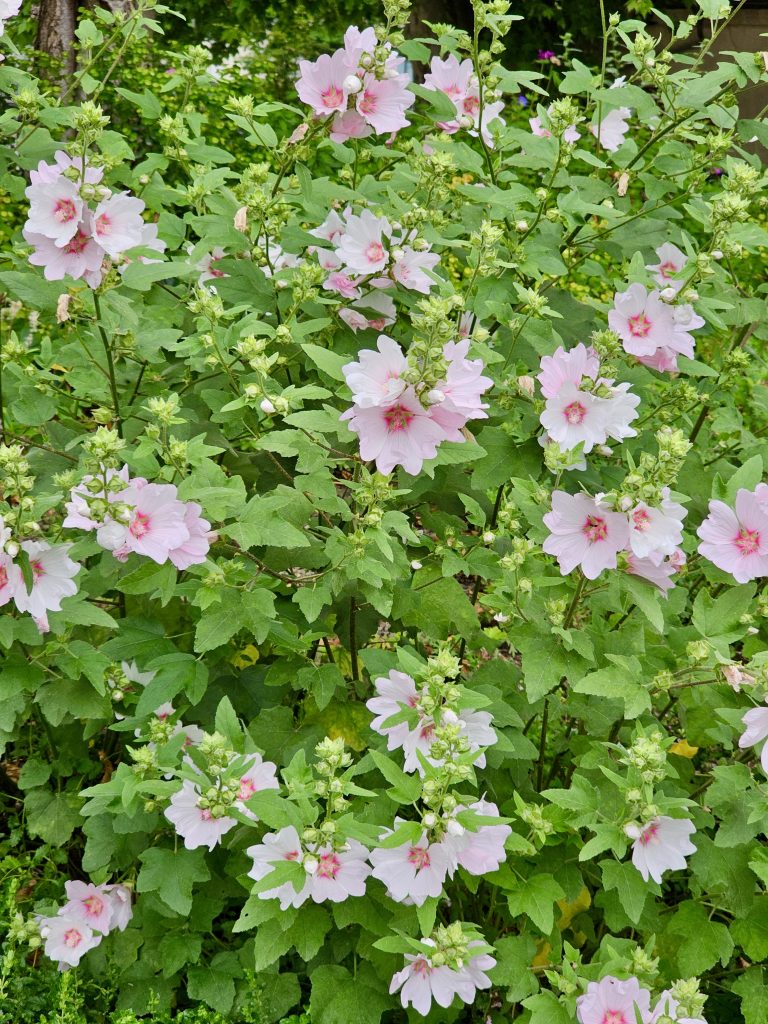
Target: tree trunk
(56, 23)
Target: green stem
(353, 638)
(574, 603)
(110, 364)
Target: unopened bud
(241, 219)
(352, 84)
(266, 406)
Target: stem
(353, 639)
(574, 603)
(542, 745)
(110, 365)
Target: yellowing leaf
(248, 656)
(683, 749)
(543, 949)
(571, 909)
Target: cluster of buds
(647, 757)
(16, 476)
(451, 946)
(690, 1001)
(206, 304)
(174, 129)
(643, 964)
(484, 243)
(653, 473)
(522, 547)
(434, 325)
(535, 818)
(562, 115)
(89, 122)
(332, 761)
(116, 683)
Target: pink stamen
(649, 835)
(747, 541)
(398, 418)
(595, 529)
(668, 269)
(419, 857)
(247, 788)
(139, 525)
(614, 1017)
(639, 325)
(93, 906)
(641, 519)
(375, 252)
(76, 244)
(332, 97)
(471, 105)
(367, 103)
(72, 938)
(64, 211)
(575, 413)
(328, 866)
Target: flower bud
(241, 219)
(352, 84)
(266, 406)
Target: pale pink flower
(663, 359)
(321, 83)
(80, 256)
(196, 825)
(472, 976)
(359, 316)
(612, 129)
(464, 383)
(668, 1006)
(361, 247)
(481, 851)
(195, 548)
(394, 693)
(667, 271)
(339, 873)
(567, 367)
(611, 1001)
(584, 532)
(284, 845)
(357, 43)
(383, 102)
(737, 540)
(277, 258)
(756, 722)
(259, 775)
(55, 209)
(412, 871)
(332, 228)
(10, 578)
(149, 240)
(88, 903)
(208, 265)
(661, 845)
(117, 223)
(343, 284)
(655, 533)
(571, 133)
(349, 125)
(67, 940)
(573, 417)
(119, 897)
(409, 266)
(449, 76)
(375, 379)
(736, 677)
(46, 173)
(420, 982)
(157, 523)
(644, 322)
(402, 434)
(475, 727)
(660, 574)
(52, 580)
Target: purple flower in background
(522, 100)
(545, 54)
(716, 172)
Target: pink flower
(571, 133)
(361, 247)
(157, 523)
(340, 282)
(55, 210)
(207, 265)
(357, 43)
(349, 125)
(668, 1006)
(584, 532)
(401, 434)
(382, 102)
(8, 8)
(117, 223)
(656, 532)
(459, 83)
(671, 263)
(47, 173)
(737, 540)
(420, 982)
(567, 368)
(358, 316)
(339, 873)
(612, 129)
(52, 580)
(412, 871)
(481, 851)
(321, 83)
(611, 1001)
(573, 417)
(332, 228)
(736, 677)
(464, 383)
(472, 976)
(260, 775)
(10, 578)
(195, 548)
(643, 322)
(196, 825)
(376, 378)
(661, 845)
(119, 897)
(284, 845)
(756, 722)
(659, 574)
(88, 903)
(663, 359)
(80, 256)
(409, 266)
(67, 940)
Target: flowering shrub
(384, 534)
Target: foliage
(559, 718)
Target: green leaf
(751, 932)
(338, 998)
(405, 788)
(618, 683)
(52, 816)
(536, 899)
(628, 883)
(329, 362)
(752, 986)
(213, 983)
(172, 874)
(699, 943)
